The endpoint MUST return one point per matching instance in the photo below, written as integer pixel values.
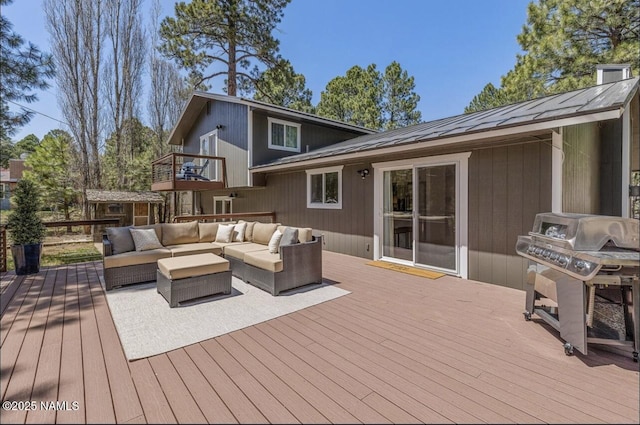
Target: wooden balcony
(179, 171)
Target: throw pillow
(239, 231)
(290, 236)
(225, 233)
(274, 242)
(121, 240)
(248, 232)
(145, 239)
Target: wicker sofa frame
(126, 275)
(301, 265)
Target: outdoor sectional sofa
(296, 262)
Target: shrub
(24, 225)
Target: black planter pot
(26, 258)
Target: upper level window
(284, 135)
(324, 188)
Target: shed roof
(585, 103)
(100, 196)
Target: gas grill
(583, 279)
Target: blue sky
(452, 48)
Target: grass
(67, 253)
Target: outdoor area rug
(405, 269)
(148, 326)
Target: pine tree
(23, 69)
(24, 225)
(400, 102)
(233, 33)
(563, 41)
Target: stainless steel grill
(583, 279)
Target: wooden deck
(399, 348)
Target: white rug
(148, 326)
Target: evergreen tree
(399, 99)
(489, 97)
(137, 153)
(563, 42)
(281, 86)
(367, 98)
(51, 167)
(26, 145)
(355, 98)
(23, 69)
(233, 33)
(7, 151)
(24, 225)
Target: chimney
(610, 73)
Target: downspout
(626, 164)
(557, 157)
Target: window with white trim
(284, 135)
(324, 188)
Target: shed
(135, 208)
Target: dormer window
(284, 135)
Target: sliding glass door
(423, 212)
(436, 227)
(398, 214)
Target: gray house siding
(508, 186)
(611, 168)
(232, 137)
(581, 169)
(312, 136)
(348, 230)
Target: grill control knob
(563, 260)
(580, 265)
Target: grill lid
(586, 232)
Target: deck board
(398, 349)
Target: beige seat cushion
(264, 260)
(179, 233)
(238, 251)
(224, 245)
(194, 248)
(135, 258)
(192, 265)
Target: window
(284, 135)
(324, 188)
(115, 209)
(5, 193)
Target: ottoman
(192, 276)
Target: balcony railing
(182, 171)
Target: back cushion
(262, 232)
(248, 232)
(179, 233)
(304, 233)
(207, 231)
(121, 240)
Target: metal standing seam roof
(98, 196)
(586, 101)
